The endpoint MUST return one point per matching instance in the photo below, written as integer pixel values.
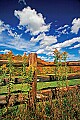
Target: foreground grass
(61, 108)
(14, 87)
(40, 85)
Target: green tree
(11, 71)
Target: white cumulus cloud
(64, 44)
(75, 25)
(62, 30)
(67, 42)
(34, 22)
(14, 34)
(72, 57)
(44, 39)
(4, 51)
(48, 40)
(76, 46)
(45, 58)
(2, 28)
(62, 27)
(38, 38)
(40, 51)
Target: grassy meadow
(40, 85)
(20, 100)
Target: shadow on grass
(3, 93)
(18, 91)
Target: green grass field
(40, 85)
(20, 111)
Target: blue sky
(40, 26)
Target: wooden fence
(43, 95)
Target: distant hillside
(69, 63)
(18, 61)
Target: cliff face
(48, 67)
(44, 63)
(73, 63)
(18, 60)
(44, 67)
(40, 62)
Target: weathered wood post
(33, 64)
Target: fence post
(33, 63)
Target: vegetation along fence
(32, 89)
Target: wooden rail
(40, 62)
(33, 61)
